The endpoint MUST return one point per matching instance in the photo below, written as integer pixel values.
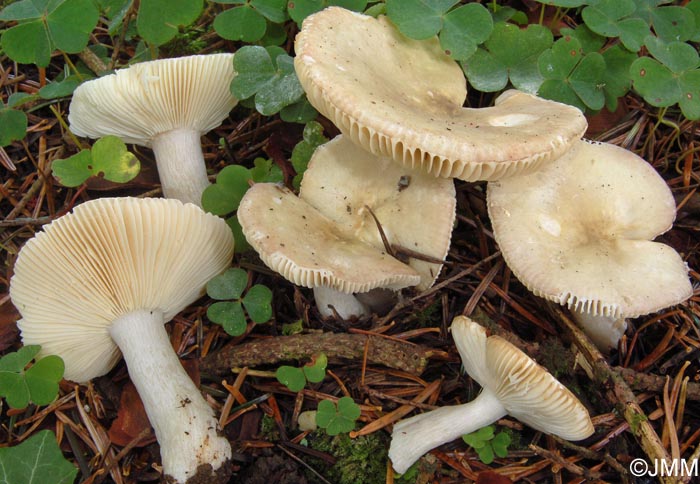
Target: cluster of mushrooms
(573, 219)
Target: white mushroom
(512, 384)
(102, 281)
(403, 99)
(416, 212)
(166, 105)
(578, 232)
(298, 242)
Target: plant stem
(413, 437)
(183, 422)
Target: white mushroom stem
(346, 305)
(604, 331)
(413, 437)
(181, 167)
(184, 423)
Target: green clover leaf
(224, 196)
(228, 288)
(610, 18)
(618, 61)
(500, 444)
(670, 22)
(249, 21)
(158, 20)
(265, 171)
(46, 25)
(108, 158)
(337, 419)
(300, 9)
(38, 384)
(315, 370)
(488, 444)
(13, 125)
(418, 19)
(268, 74)
(37, 460)
(291, 377)
(300, 112)
(509, 53)
(301, 154)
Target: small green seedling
(488, 444)
(158, 20)
(249, 20)
(510, 53)
(37, 384)
(671, 77)
(46, 25)
(295, 378)
(337, 419)
(13, 125)
(300, 9)
(267, 75)
(301, 154)
(460, 30)
(228, 311)
(108, 158)
(37, 460)
(223, 197)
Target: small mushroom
(582, 237)
(102, 281)
(383, 203)
(166, 105)
(512, 384)
(404, 98)
(298, 242)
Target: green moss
(359, 461)
(268, 429)
(186, 42)
(636, 421)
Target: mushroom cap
(526, 390)
(403, 99)
(416, 211)
(582, 236)
(308, 249)
(142, 101)
(107, 258)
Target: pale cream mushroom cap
(110, 257)
(403, 99)
(416, 211)
(578, 232)
(142, 101)
(526, 390)
(297, 241)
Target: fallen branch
(392, 353)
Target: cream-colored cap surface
(140, 102)
(308, 249)
(525, 389)
(109, 257)
(403, 99)
(578, 232)
(416, 211)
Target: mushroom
(102, 281)
(298, 242)
(166, 105)
(359, 191)
(403, 99)
(582, 237)
(512, 384)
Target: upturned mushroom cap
(582, 237)
(107, 258)
(416, 211)
(403, 99)
(525, 389)
(297, 241)
(142, 101)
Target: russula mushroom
(582, 236)
(512, 384)
(167, 105)
(403, 99)
(109, 275)
(298, 242)
(359, 191)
